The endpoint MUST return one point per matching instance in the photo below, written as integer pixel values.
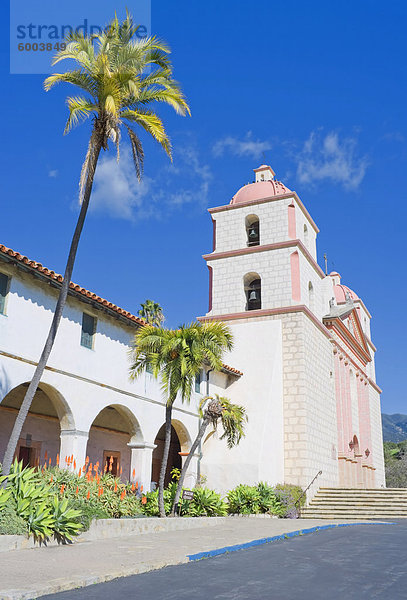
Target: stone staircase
(346, 503)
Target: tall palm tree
(119, 79)
(152, 312)
(212, 410)
(176, 356)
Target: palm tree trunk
(161, 481)
(32, 388)
(202, 429)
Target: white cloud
(53, 173)
(117, 191)
(331, 158)
(248, 146)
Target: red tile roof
(36, 266)
(232, 370)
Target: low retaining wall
(101, 529)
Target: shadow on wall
(4, 383)
(29, 290)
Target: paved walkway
(26, 574)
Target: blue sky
(319, 87)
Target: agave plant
(66, 523)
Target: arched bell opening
(39, 441)
(252, 288)
(110, 433)
(252, 230)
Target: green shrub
(206, 503)
(149, 505)
(288, 495)
(10, 522)
(249, 499)
(244, 500)
(89, 511)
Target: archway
(110, 433)
(174, 458)
(40, 437)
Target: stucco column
(140, 465)
(192, 473)
(73, 442)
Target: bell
(252, 234)
(253, 295)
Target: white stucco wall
(86, 380)
(259, 456)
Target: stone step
(343, 510)
(335, 489)
(360, 499)
(362, 494)
(354, 514)
(356, 503)
(316, 503)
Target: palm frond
(80, 109)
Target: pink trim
(374, 385)
(292, 228)
(210, 287)
(370, 343)
(264, 168)
(266, 312)
(295, 277)
(347, 339)
(339, 407)
(216, 209)
(287, 244)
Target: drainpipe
(198, 470)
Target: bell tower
(264, 253)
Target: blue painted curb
(275, 538)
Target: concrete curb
(80, 582)
(275, 538)
(102, 529)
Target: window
(4, 285)
(149, 369)
(88, 330)
(253, 230)
(111, 461)
(198, 383)
(252, 286)
(306, 236)
(311, 298)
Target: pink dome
(258, 191)
(341, 291)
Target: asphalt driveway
(360, 562)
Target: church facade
(302, 341)
(303, 362)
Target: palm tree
(176, 356)
(152, 312)
(212, 410)
(119, 79)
